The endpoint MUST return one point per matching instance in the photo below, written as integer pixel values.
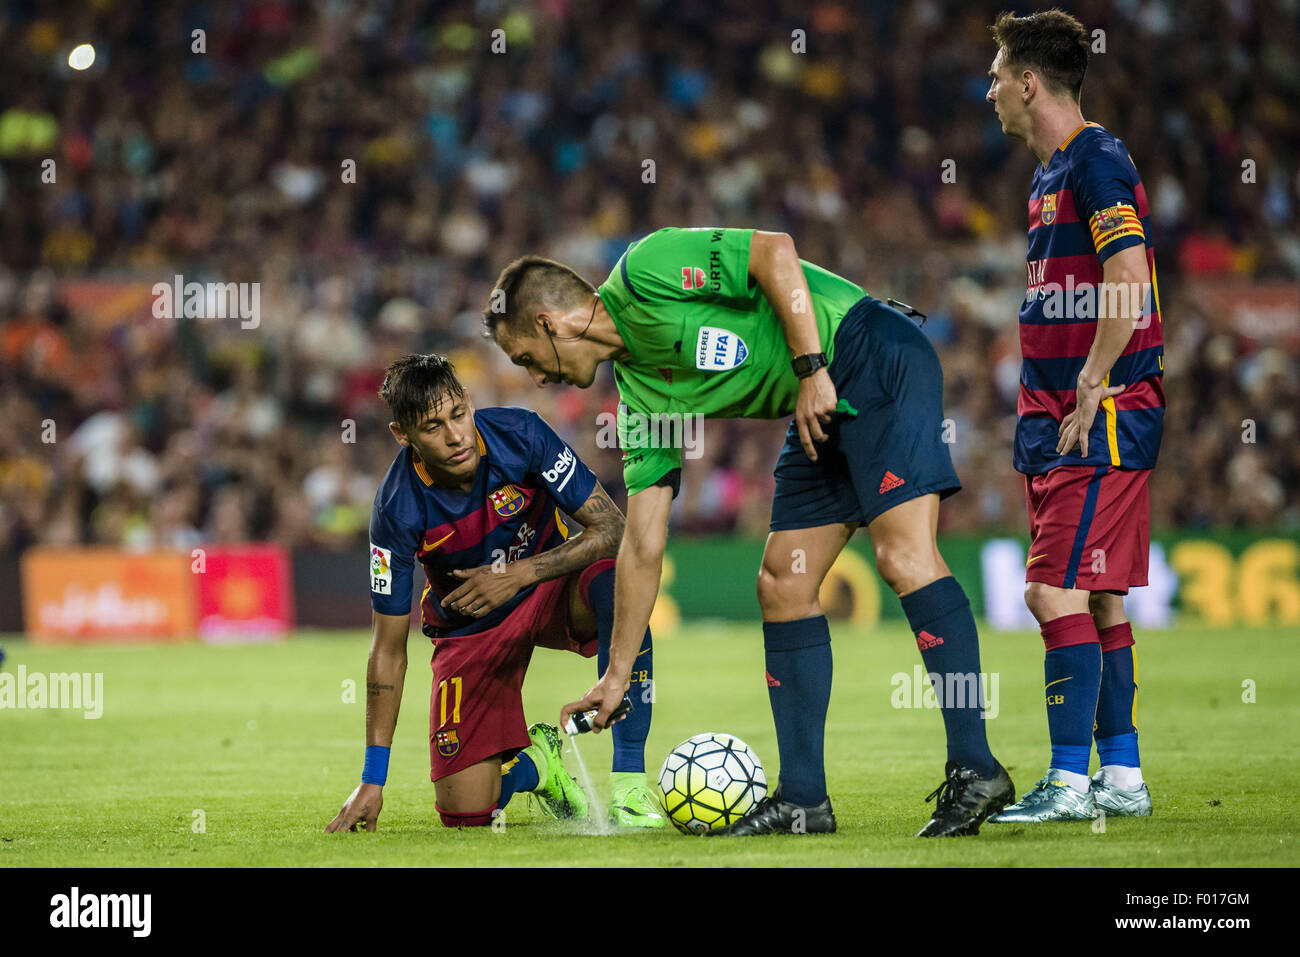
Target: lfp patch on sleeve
(717, 349)
(381, 570)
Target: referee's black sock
(941, 619)
(798, 658)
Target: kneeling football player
(475, 497)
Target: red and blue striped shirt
(1085, 205)
(526, 475)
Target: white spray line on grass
(596, 812)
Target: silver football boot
(1051, 799)
(1118, 803)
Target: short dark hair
(527, 285)
(1050, 42)
(417, 383)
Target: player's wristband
(376, 767)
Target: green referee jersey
(703, 338)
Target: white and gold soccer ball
(710, 781)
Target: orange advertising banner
(78, 594)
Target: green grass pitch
(260, 740)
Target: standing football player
(475, 497)
(1089, 414)
(731, 323)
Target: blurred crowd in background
(231, 165)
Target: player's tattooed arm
(602, 531)
(385, 674)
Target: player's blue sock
(941, 619)
(520, 775)
(629, 734)
(798, 659)
(1116, 731)
(1072, 680)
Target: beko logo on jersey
(381, 571)
(717, 349)
(562, 464)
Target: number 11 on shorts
(456, 685)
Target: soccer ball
(710, 781)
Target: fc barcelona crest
(1110, 219)
(507, 500)
(1048, 211)
(448, 742)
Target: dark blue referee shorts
(892, 449)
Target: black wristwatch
(804, 366)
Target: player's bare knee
(468, 797)
(1037, 599)
(464, 807)
(786, 596)
(905, 569)
(470, 819)
(1047, 602)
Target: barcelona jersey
(526, 476)
(1086, 204)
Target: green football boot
(558, 791)
(1050, 800)
(1119, 803)
(632, 803)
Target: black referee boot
(966, 800)
(775, 816)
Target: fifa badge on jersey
(448, 742)
(719, 349)
(381, 572)
(1048, 212)
(507, 500)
